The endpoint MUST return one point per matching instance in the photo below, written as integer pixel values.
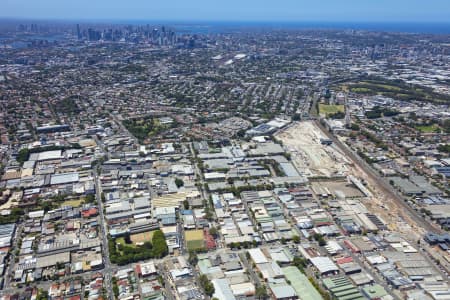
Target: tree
(179, 182)
(115, 287)
(261, 293)
(444, 148)
(319, 238)
(299, 262)
(23, 155)
(354, 127)
(127, 238)
(159, 244)
(296, 239)
(446, 126)
(213, 231)
(90, 198)
(209, 215)
(337, 115)
(13, 217)
(42, 295)
(59, 265)
(193, 258)
(207, 286)
(186, 204)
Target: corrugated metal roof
(301, 284)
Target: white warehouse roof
(324, 264)
(257, 256)
(64, 178)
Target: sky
(232, 10)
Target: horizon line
(267, 21)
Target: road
(109, 269)
(102, 147)
(45, 285)
(124, 129)
(368, 270)
(107, 272)
(170, 290)
(388, 190)
(205, 194)
(198, 175)
(250, 269)
(362, 264)
(10, 270)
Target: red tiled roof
(344, 260)
(209, 240)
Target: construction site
(312, 154)
(334, 173)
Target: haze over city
(233, 10)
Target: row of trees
(206, 285)
(245, 245)
(444, 148)
(123, 254)
(374, 139)
(319, 238)
(397, 89)
(143, 128)
(237, 190)
(13, 217)
(337, 115)
(301, 263)
(378, 112)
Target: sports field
(330, 109)
(428, 128)
(73, 203)
(194, 239)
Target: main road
(107, 272)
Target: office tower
(78, 32)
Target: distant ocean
(217, 27)
(204, 27)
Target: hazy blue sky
(233, 10)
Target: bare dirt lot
(303, 140)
